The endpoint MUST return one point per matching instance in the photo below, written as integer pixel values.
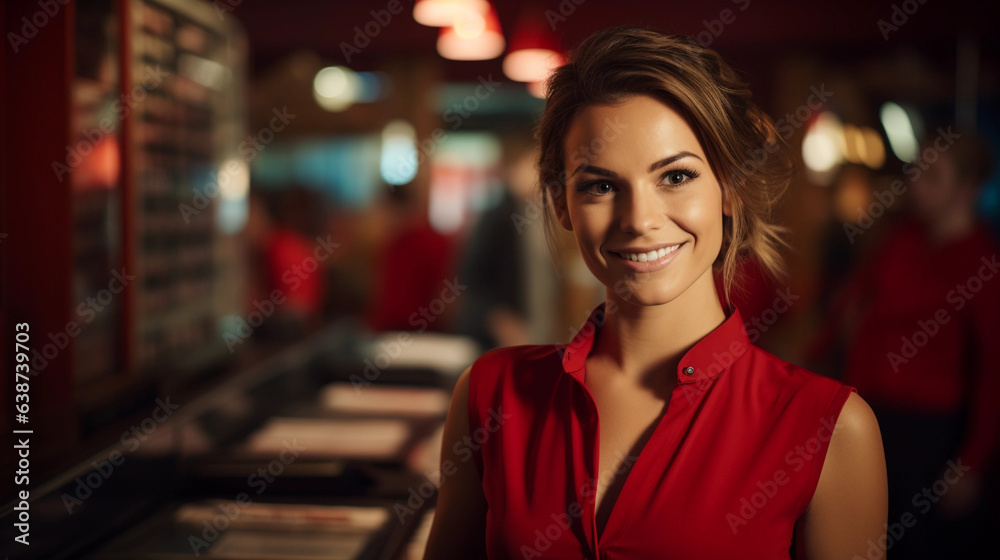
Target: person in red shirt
(285, 263)
(922, 317)
(659, 431)
(411, 270)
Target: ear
(562, 212)
(727, 205)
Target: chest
(637, 476)
(628, 416)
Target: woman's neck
(640, 342)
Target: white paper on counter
(350, 438)
(449, 354)
(243, 545)
(385, 400)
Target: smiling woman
(652, 201)
(659, 431)
(701, 90)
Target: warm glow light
(874, 148)
(531, 65)
(469, 25)
(862, 145)
(484, 46)
(336, 88)
(444, 13)
(899, 128)
(234, 179)
(534, 48)
(821, 145)
(852, 144)
(852, 194)
(102, 168)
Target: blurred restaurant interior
(249, 246)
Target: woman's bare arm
(459, 528)
(848, 511)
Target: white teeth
(650, 256)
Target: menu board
(187, 71)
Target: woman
(659, 431)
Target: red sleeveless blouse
(728, 470)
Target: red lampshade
(534, 50)
(442, 13)
(473, 36)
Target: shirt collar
(708, 358)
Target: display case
(123, 197)
(190, 185)
(124, 193)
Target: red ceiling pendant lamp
(473, 35)
(442, 13)
(534, 51)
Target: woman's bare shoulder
(850, 506)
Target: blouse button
(689, 370)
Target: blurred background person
(411, 269)
(510, 277)
(920, 318)
(282, 237)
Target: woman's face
(642, 200)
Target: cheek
(589, 228)
(591, 224)
(701, 217)
(590, 221)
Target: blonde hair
(743, 148)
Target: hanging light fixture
(472, 36)
(442, 13)
(534, 50)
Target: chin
(645, 290)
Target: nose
(640, 211)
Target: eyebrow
(594, 170)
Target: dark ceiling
(845, 29)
